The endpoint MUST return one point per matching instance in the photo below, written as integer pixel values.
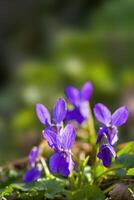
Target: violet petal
(43, 114)
(84, 109)
(76, 115)
(67, 136)
(54, 162)
(113, 135)
(70, 161)
(64, 167)
(120, 116)
(102, 113)
(51, 138)
(105, 154)
(31, 174)
(33, 155)
(59, 111)
(73, 95)
(86, 91)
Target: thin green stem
(46, 170)
(92, 130)
(92, 136)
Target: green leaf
(85, 161)
(121, 172)
(130, 172)
(98, 170)
(53, 188)
(50, 187)
(129, 147)
(27, 187)
(86, 193)
(87, 173)
(126, 160)
(6, 192)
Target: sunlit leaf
(129, 147)
(130, 172)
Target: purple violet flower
(111, 122)
(59, 139)
(106, 153)
(61, 161)
(59, 113)
(79, 99)
(109, 131)
(34, 172)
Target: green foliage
(129, 147)
(6, 192)
(98, 170)
(43, 188)
(51, 189)
(85, 193)
(130, 172)
(84, 175)
(82, 184)
(126, 161)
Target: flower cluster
(61, 138)
(79, 99)
(109, 130)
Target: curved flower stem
(43, 162)
(92, 130)
(92, 136)
(47, 172)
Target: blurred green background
(47, 45)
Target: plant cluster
(63, 176)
